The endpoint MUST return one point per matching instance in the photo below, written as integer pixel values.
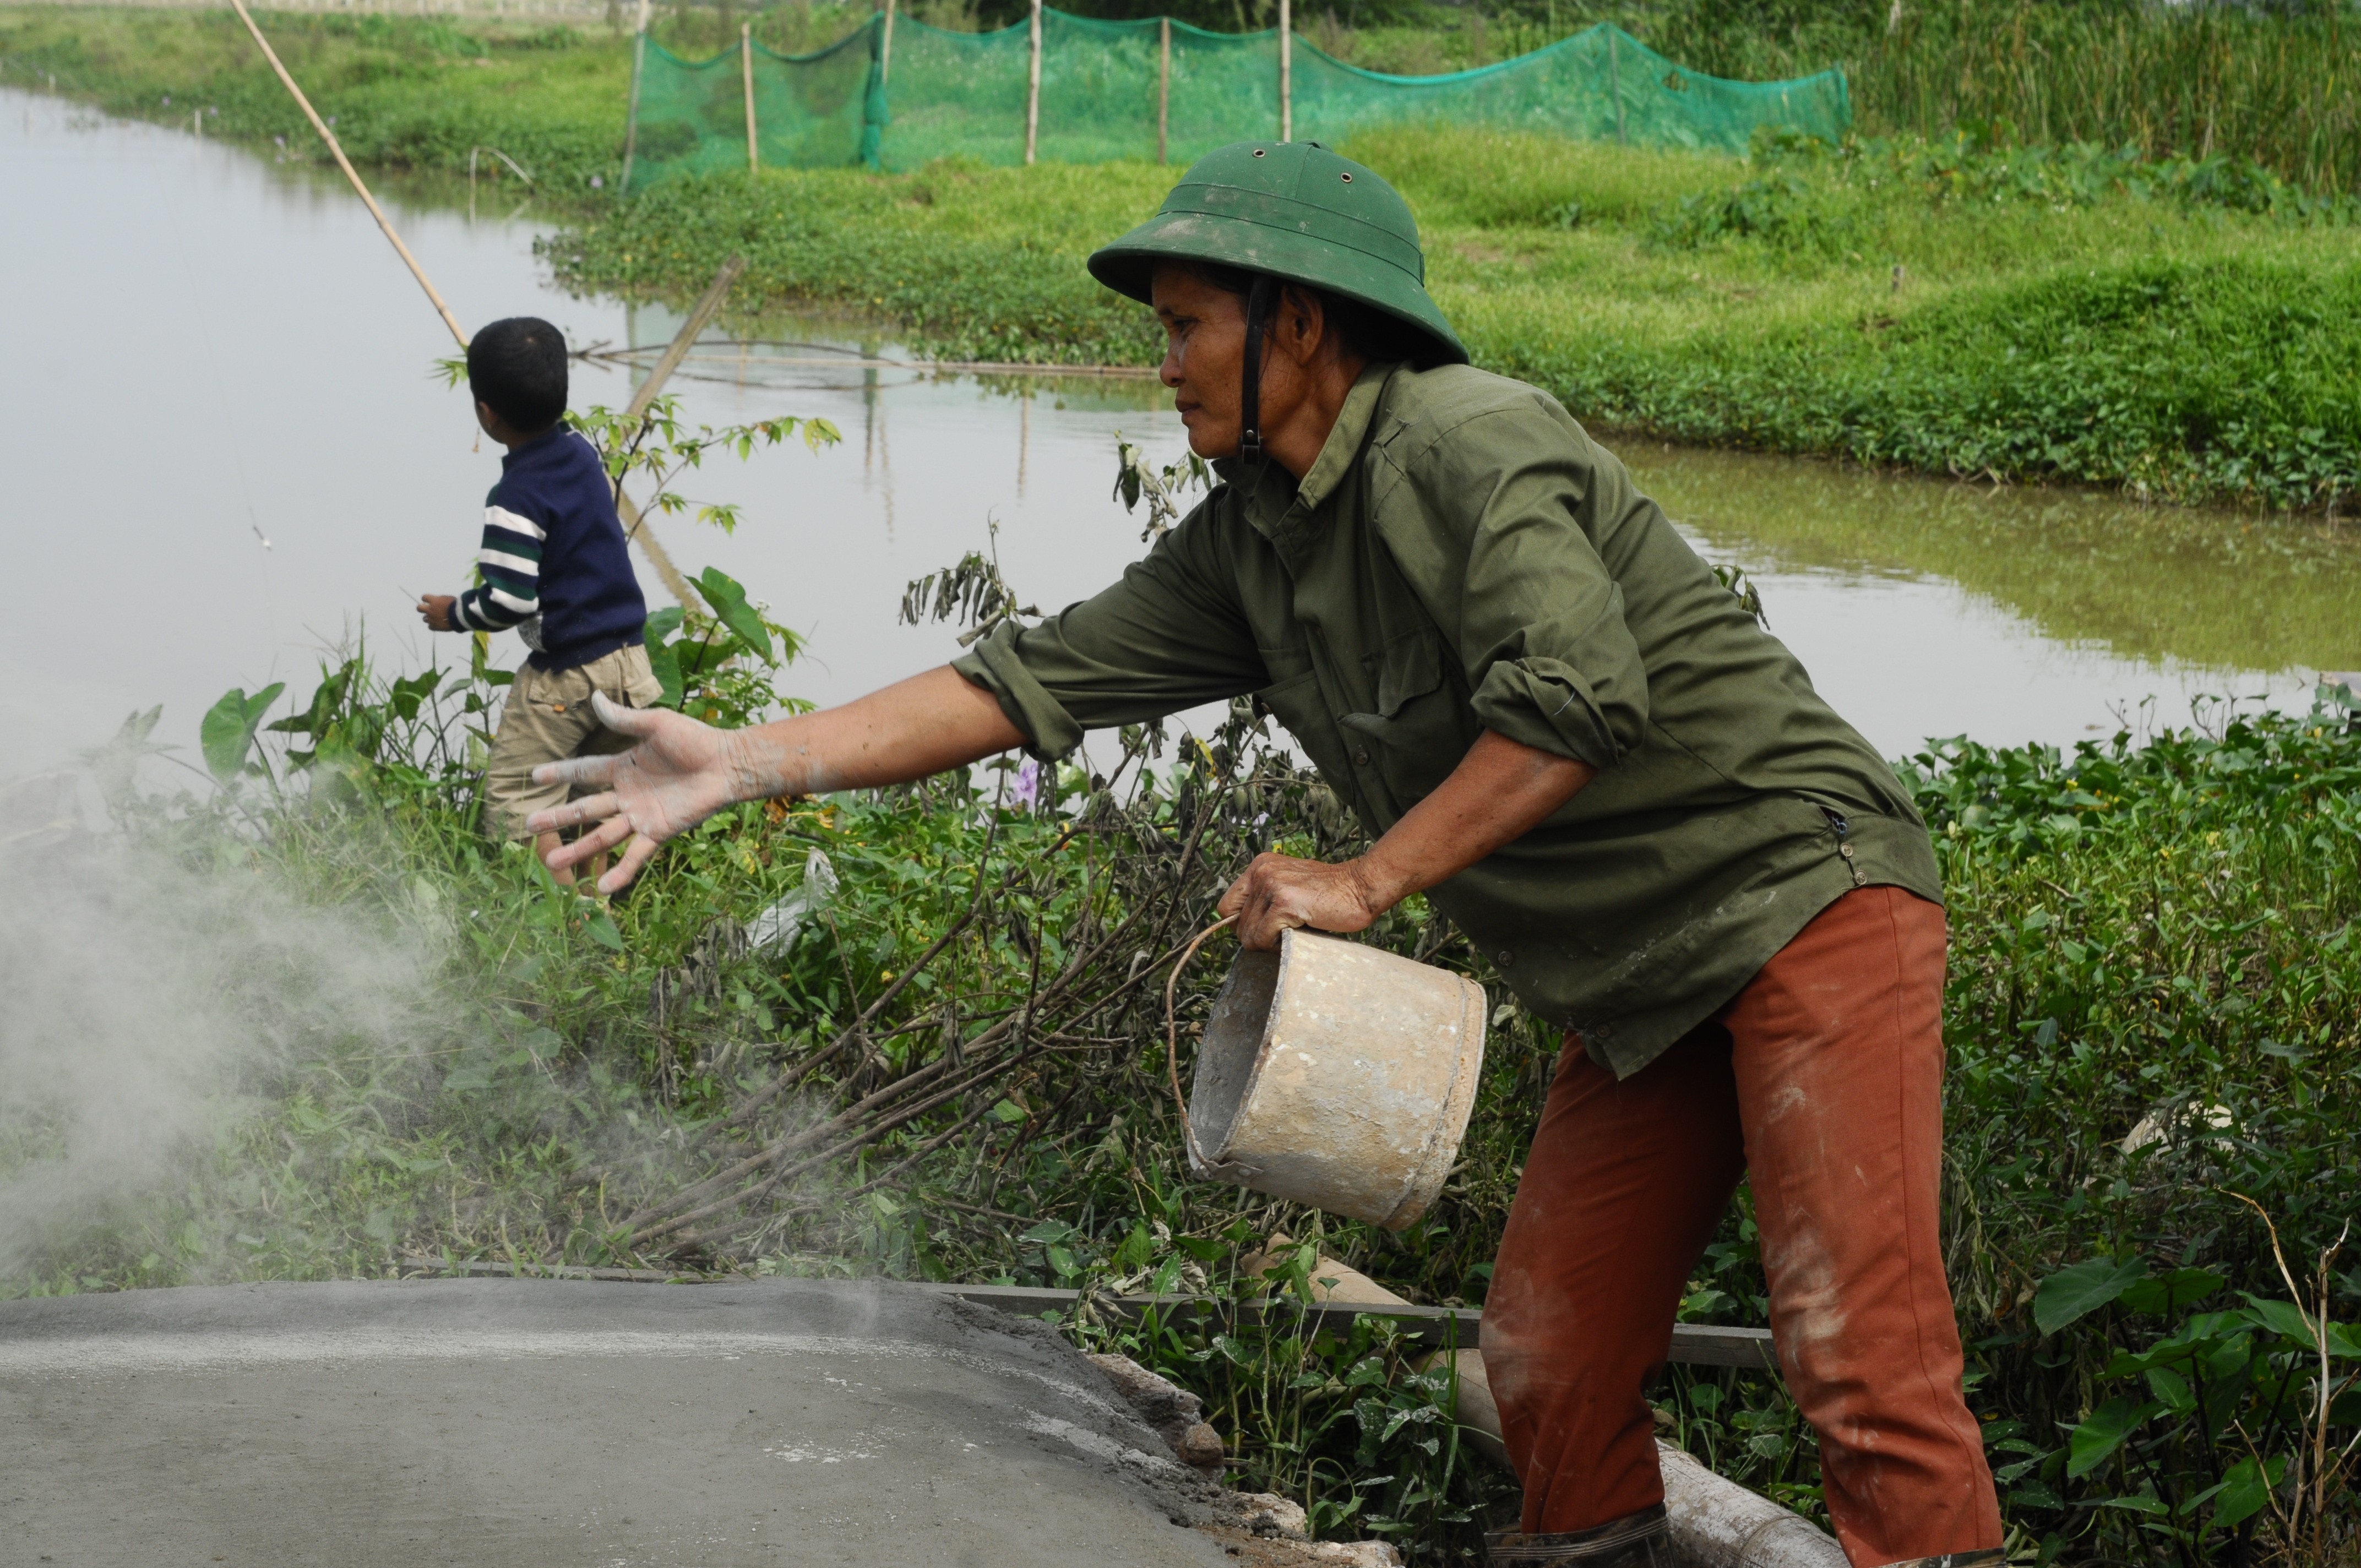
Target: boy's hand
(680, 773)
(434, 610)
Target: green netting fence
(899, 95)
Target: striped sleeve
(510, 564)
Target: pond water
(233, 454)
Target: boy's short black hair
(518, 365)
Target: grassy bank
(406, 92)
(2185, 330)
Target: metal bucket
(1337, 1075)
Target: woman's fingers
(1280, 892)
(628, 867)
(1234, 898)
(611, 832)
(1258, 926)
(591, 809)
(623, 721)
(580, 770)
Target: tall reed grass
(2285, 92)
(2192, 81)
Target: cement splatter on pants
(1822, 1082)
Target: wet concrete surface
(533, 1422)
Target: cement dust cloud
(149, 996)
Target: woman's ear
(1303, 325)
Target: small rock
(1201, 1445)
(1357, 1554)
(1267, 1514)
(2188, 1124)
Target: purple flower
(1027, 792)
(332, 119)
(597, 182)
(168, 100)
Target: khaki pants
(1823, 1082)
(548, 719)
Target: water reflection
(1923, 607)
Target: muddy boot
(1982, 1557)
(1635, 1540)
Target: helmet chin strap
(1250, 451)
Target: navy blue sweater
(552, 547)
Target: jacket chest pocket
(1423, 723)
(1297, 704)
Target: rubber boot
(1636, 1540)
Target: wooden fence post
(746, 63)
(632, 117)
(1164, 90)
(1286, 73)
(1033, 89)
(1615, 85)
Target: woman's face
(1204, 353)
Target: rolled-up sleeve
(1166, 636)
(1517, 581)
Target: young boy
(556, 567)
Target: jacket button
(1506, 958)
(1362, 756)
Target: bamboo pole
(885, 49)
(345, 164)
(1033, 89)
(635, 526)
(1286, 72)
(1163, 89)
(746, 60)
(631, 116)
(699, 315)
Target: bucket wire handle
(1172, 1039)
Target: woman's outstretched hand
(680, 773)
(683, 772)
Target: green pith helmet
(1293, 210)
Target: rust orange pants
(1821, 1083)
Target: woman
(1559, 725)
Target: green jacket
(1461, 558)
